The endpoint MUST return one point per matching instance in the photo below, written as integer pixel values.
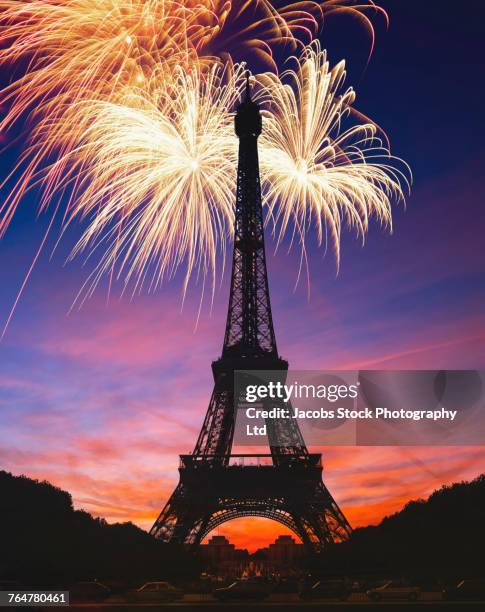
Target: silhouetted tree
(440, 538)
(44, 540)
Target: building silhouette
(221, 556)
(284, 553)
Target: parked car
(394, 590)
(243, 589)
(327, 589)
(156, 591)
(89, 591)
(466, 589)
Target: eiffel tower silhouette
(216, 486)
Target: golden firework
(154, 177)
(315, 170)
(89, 48)
(127, 105)
(74, 52)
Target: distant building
(281, 557)
(222, 556)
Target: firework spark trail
(158, 175)
(76, 49)
(72, 51)
(79, 48)
(114, 91)
(158, 169)
(313, 169)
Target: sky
(101, 401)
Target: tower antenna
(248, 87)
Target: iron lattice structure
(285, 485)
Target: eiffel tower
(216, 486)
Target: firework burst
(79, 49)
(314, 170)
(70, 52)
(127, 102)
(154, 176)
(157, 169)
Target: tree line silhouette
(441, 538)
(45, 541)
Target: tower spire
(248, 87)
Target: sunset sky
(102, 400)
